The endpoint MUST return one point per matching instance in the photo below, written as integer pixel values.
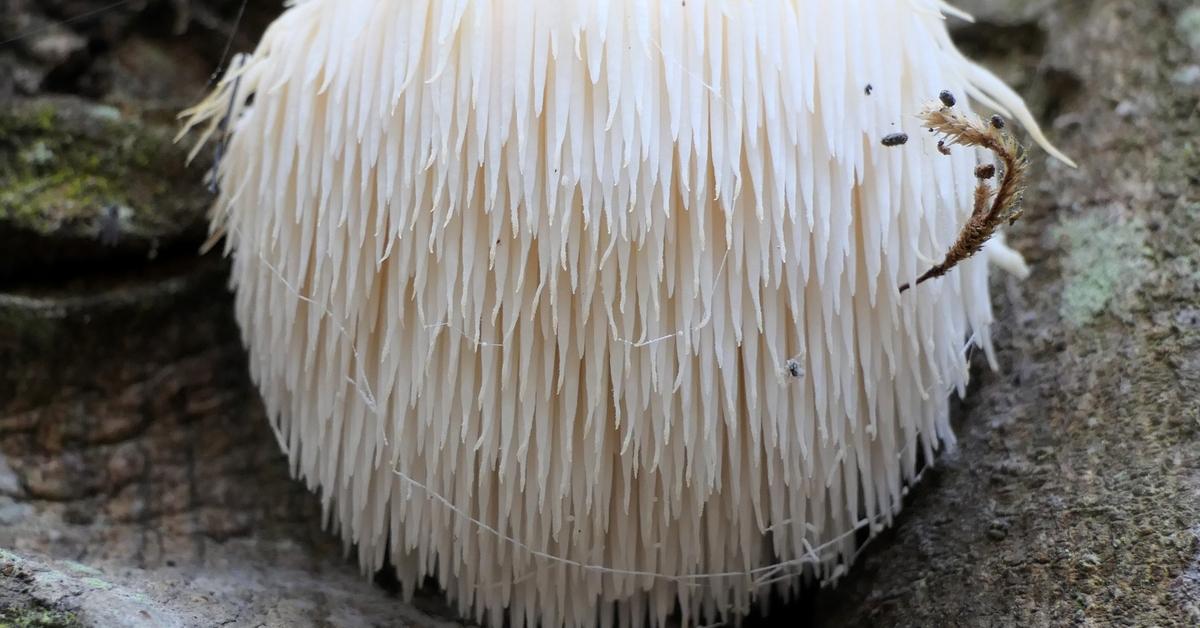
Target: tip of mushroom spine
(1006, 258)
(1050, 148)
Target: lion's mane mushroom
(592, 309)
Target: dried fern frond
(967, 129)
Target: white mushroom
(589, 309)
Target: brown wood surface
(141, 486)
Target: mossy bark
(82, 185)
(141, 485)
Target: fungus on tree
(593, 309)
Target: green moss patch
(66, 166)
(37, 618)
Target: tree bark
(140, 484)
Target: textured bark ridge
(141, 486)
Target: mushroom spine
(590, 309)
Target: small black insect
(947, 98)
(997, 122)
(985, 171)
(794, 369)
(868, 89)
(942, 148)
(895, 139)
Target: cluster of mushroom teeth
(592, 311)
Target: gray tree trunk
(140, 484)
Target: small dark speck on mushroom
(985, 171)
(868, 89)
(794, 369)
(895, 139)
(942, 148)
(947, 98)
(997, 122)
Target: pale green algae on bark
(1105, 263)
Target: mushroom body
(590, 309)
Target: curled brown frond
(993, 206)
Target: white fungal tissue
(589, 309)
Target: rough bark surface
(141, 486)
